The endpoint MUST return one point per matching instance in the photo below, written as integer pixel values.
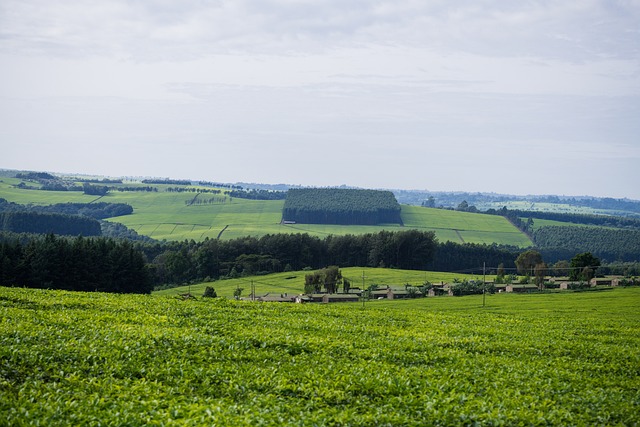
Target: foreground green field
(169, 215)
(293, 282)
(97, 359)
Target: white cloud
(390, 86)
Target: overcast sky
(520, 97)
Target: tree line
(92, 263)
(607, 243)
(180, 262)
(79, 264)
(43, 223)
(258, 194)
(588, 219)
(341, 206)
(98, 210)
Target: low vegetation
(89, 359)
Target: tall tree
(583, 266)
(527, 261)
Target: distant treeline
(257, 194)
(192, 190)
(98, 210)
(167, 181)
(70, 219)
(600, 220)
(219, 184)
(43, 223)
(36, 176)
(78, 264)
(147, 189)
(451, 256)
(609, 244)
(341, 206)
(102, 181)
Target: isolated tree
(583, 266)
(500, 273)
(463, 206)
(331, 278)
(430, 202)
(540, 271)
(209, 292)
(527, 261)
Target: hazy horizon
(498, 97)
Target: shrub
(209, 292)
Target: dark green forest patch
(341, 206)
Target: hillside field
(104, 359)
(167, 215)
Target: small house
(329, 298)
(521, 289)
(605, 281)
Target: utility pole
(484, 282)
(363, 290)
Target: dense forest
(341, 206)
(67, 219)
(608, 244)
(43, 223)
(79, 264)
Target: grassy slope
(165, 215)
(293, 282)
(550, 359)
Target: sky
(515, 97)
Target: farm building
(522, 289)
(605, 281)
(277, 298)
(568, 285)
(379, 293)
(328, 298)
(440, 290)
(397, 294)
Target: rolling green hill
(169, 215)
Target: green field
(293, 282)
(166, 215)
(69, 359)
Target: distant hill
(177, 210)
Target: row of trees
(179, 262)
(43, 223)
(341, 206)
(79, 264)
(99, 210)
(599, 220)
(258, 194)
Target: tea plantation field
(99, 359)
(172, 216)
